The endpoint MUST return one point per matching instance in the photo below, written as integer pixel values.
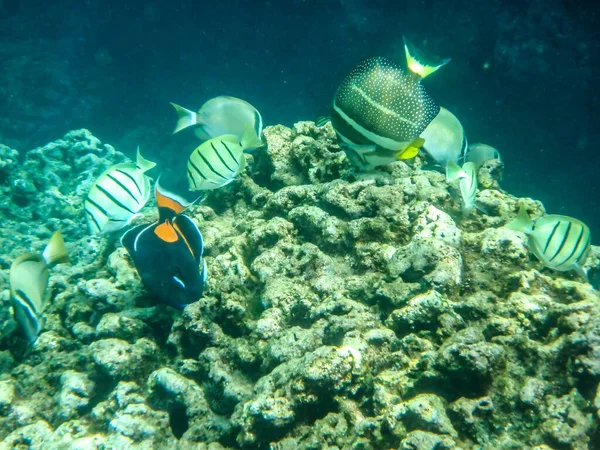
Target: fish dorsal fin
(186, 118)
(419, 62)
(55, 252)
(454, 172)
(166, 232)
(522, 223)
(412, 150)
(144, 164)
(250, 140)
(191, 235)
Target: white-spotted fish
(468, 183)
(560, 242)
(480, 153)
(216, 162)
(223, 115)
(29, 276)
(445, 139)
(118, 194)
(168, 253)
(380, 110)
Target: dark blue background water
(523, 75)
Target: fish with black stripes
(29, 278)
(560, 242)
(117, 195)
(381, 109)
(217, 162)
(445, 139)
(467, 176)
(168, 254)
(223, 115)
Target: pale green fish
(480, 153)
(220, 116)
(216, 162)
(559, 242)
(380, 110)
(445, 139)
(29, 277)
(118, 195)
(468, 182)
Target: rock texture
(342, 310)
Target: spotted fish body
(215, 163)
(380, 104)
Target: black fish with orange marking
(168, 254)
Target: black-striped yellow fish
(467, 174)
(559, 242)
(216, 163)
(380, 110)
(118, 194)
(29, 276)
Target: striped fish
(118, 194)
(445, 139)
(222, 115)
(29, 275)
(560, 242)
(216, 163)
(468, 182)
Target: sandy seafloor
(341, 312)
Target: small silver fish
(468, 182)
(118, 194)
(445, 139)
(222, 115)
(216, 163)
(560, 242)
(29, 275)
(480, 153)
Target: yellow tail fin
(420, 63)
(55, 252)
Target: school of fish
(381, 113)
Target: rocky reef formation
(341, 311)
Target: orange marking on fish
(166, 232)
(184, 239)
(167, 202)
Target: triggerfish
(217, 162)
(561, 243)
(29, 276)
(381, 109)
(118, 194)
(445, 139)
(222, 115)
(168, 254)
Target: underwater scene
(336, 224)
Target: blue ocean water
(521, 79)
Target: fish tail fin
(169, 203)
(144, 164)
(522, 223)
(412, 149)
(55, 252)
(454, 172)
(250, 139)
(421, 63)
(186, 118)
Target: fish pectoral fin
(363, 149)
(412, 150)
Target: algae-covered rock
(342, 310)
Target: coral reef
(341, 311)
